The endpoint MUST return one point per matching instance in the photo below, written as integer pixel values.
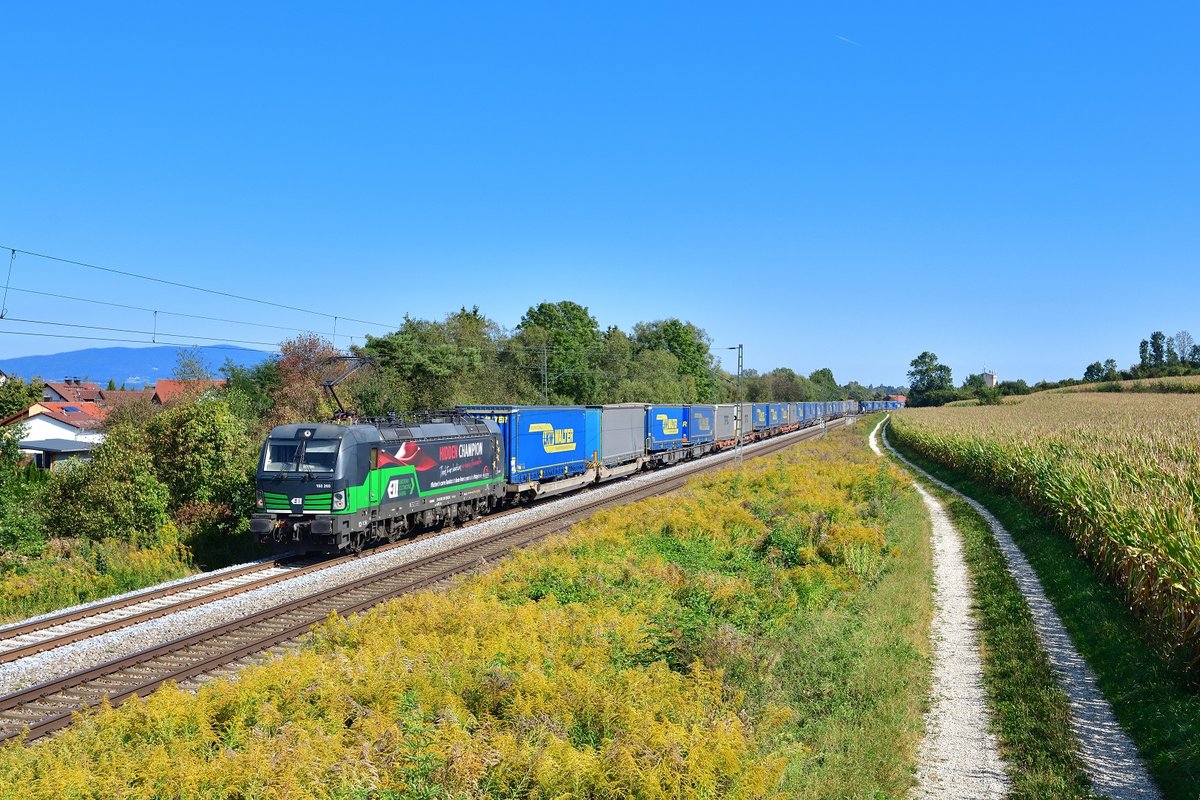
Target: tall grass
(1120, 474)
(71, 571)
(743, 639)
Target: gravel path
(1110, 758)
(959, 756)
(64, 660)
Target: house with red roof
(167, 391)
(55, 431)
(115, 397)
(72, 390)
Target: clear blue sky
(1015, 185)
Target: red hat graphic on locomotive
(409, 454)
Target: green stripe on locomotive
(373, 492)
(326, 482)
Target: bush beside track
(760, 634)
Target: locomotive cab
(337, 488)
(304, 474)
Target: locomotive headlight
(258, 499)
(339, 500)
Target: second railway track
(50, 706)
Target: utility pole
(737, 448)
(737, 409)
(545, 378)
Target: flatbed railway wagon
(334, 488)
(622, 438)
(666, 433)
(550, 449)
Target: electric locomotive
(336, 488)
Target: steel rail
(55, 703)
(21, 628)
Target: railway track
(42, 709)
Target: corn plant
(1118, 473)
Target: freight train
(338, 488)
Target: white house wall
(41, 428)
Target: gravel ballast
(67, 659)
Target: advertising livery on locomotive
(337, 488)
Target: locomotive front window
(315, 455)
(280, 457)
(320, 455)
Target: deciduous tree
(691, 347)
(202, 452)
(927, 377)
(1184, 344)
(569, 339)
(116, 494)
(1158, 349)
(302, 366)
(17, 395)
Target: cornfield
(1120, 474)
(1185, 384)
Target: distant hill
(134, 367)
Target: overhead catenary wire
(153, 334)
(181, 285)
(170, 313)
(127, 273)
(83, 338)
(509, 348)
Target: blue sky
(843, 185)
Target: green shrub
(21, 518)
(202, 452)
(115, 495)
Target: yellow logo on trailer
(554, 440)
(670, 425)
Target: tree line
(560, 355)
(184, 473)
(1159, 356)
(931, 383)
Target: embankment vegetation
(170, 490)
(762, 633)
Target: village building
(56, 431)
(167, 391)
(72, 390)
(68, 422)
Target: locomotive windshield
(313, 455)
